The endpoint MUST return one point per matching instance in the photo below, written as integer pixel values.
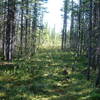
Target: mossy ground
(41, 78)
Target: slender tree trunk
(34, 26)
(22, 28)
(89, 44)
(13, 27)
(79, 27)
(4, 31)
(71, 28)
(27, 13)
(9, 29)
(64, 32)
(98, 42)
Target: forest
(37, 63)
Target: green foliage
(41, 77)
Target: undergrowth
(42, 77)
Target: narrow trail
(42, 77)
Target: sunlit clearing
(53, 18)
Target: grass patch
(41, 77)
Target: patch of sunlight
(49, 60)
(85, 98)
(25, 77)
(7, 78)
(38, 98)
(85, 91)
(6, 63)
(69, 71)
(55, 74)
(74, 80)
(73, 92)
(1, 78)
(24, 95)
(8, 85)
(47, 56)
(54, 97)
(45, 75)
(59, 84)
(54, 64)
(2, 94)
(46, 66)
(35, 59)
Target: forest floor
(42, 77)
